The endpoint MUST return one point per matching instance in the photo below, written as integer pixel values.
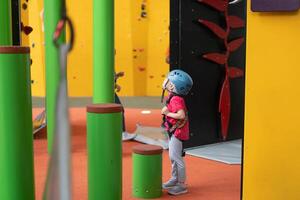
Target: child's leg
(174, 172)
(175, 152)
(172, 182)
(178, 164)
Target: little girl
(178, 84)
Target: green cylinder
(5, 22)
(104, 130)
(16, 137)
(147, 175)
(52, 16)
(103, 51)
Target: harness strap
(179, 123)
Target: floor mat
(151, 135)
(226, 152)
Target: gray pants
(178, 165)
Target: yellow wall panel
(123, 45)
(80, 59)
(158, 44)
(139, 27)
(271, 158)
(140, 44)
(25, 21)
(33, 16)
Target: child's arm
(164, 110)
(179, 115)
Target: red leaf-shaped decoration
(235, 72)
(235, 22)
(26, 29)
(235, 44)
(219, 5)
(216, 57)
(216, 29)
(224, 107)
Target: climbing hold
(24, 6)
(141, 69)
(26, 29)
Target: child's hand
(117, 88)
(164, 110)
(119, 74)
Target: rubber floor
(207, 180)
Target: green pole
(104, 151)
(16, 137)
(103, 51)
(52, 10)
(5, 22)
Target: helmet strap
(164, 89)
(162, 95)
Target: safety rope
(58, 184)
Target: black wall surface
(189, 41)
(15, 22)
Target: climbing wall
(139, 28)
(80, 65)
(141, 42)
(33, 36)
(158, 45)
(209, 46)
(124, 46)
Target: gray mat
(151, 135)
(226, 152)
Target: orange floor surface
(207, 180)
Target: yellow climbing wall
(139, 31)
(272, 140)
(158, 45)
(80, 59)
(31, 16)
(123, 45)
(141, 41)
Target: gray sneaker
(169, 184)
(178, 189)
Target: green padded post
(52, 16)
(16, 137)
(103, 51)
(5, 22)
(104, 131)
(147, 171)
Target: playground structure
(270, 87)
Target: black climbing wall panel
(189, 40)
(16, 22)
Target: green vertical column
(104, 151)
(16, 137)
(103, 51)
(5, 22)
(52, 16)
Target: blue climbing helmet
(182, 81)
